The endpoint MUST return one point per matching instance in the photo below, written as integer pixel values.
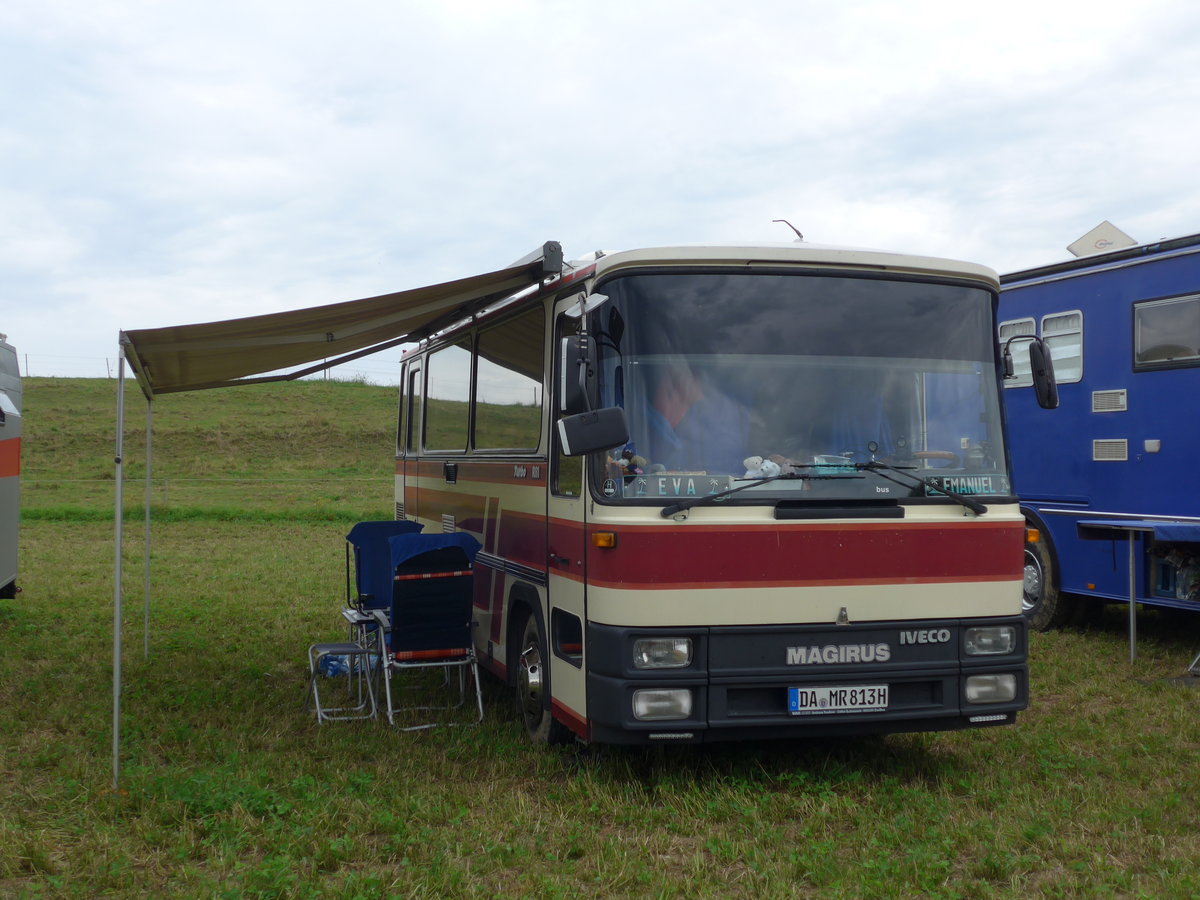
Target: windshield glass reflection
(732, 376)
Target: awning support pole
(119, 506)
(146, 549)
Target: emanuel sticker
(972, 484)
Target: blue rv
(1110, 481)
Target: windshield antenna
(799, 236)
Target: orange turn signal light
(604, 539)
(1032, 535)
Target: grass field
(230, 789)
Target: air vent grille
(1110, 450)
(1109, 401)
(448, 524)
(399, 511)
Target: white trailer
(10, 465)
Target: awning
(1114, 529)
(219, 354)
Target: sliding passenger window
(1166, 333)
(508, 383)
(1063, 334)
(410, 437)
(447, 396)
(566, 475)
(1022, 374)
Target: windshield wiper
(875, 466)
(667, 511)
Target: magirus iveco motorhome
(731, 492)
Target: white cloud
(172, 162)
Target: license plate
(822, 701)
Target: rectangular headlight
(990, 640)
(991, 688)
(662, 703)
(662, 653)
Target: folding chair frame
(361, 659)
(462, 658)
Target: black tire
(1042, 603)
(9, 591)
(532, 685)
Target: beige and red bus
(730, 493)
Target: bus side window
(509, 377)
(412, 432)
(447, 408)
(566, 472)
(401, 421)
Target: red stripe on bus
(530, 472)
(570, 718)
(10, 457)
(777, 556)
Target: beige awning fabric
(219, 354)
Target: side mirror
(1044, 384)
(1045, 387)
(576, 374)
(597, 429)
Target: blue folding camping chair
(368, 604)
(431, 618)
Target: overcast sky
(172, 162)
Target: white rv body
(10, 466)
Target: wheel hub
(1031, 594)
(530, 681)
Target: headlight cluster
(662, 653)
(990, 640)
(662, 703)
(991, 688)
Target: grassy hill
(305, 449)
(229, 788)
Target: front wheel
(533, 686)
(1042, 603)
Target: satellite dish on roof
(1104, 237)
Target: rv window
(401, 443)
(1063, 334)
(1023, 375)
(567, 474)
(412, 423)
(1166, 333)
(448, 388)
(508, 383)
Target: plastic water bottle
(332, 665)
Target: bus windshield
(732, 376)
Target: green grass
(230, 789)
